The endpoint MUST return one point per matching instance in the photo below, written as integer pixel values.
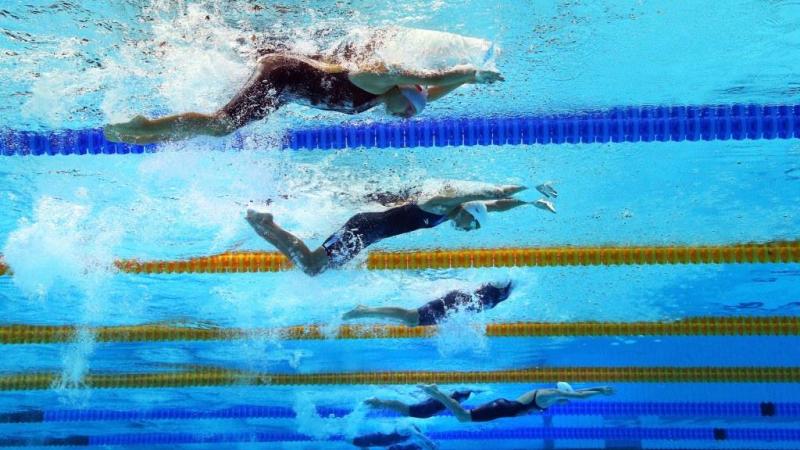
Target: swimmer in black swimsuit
(535, 400)
(285, 78)
(466, 210)
(486, 297)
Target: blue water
(64, 219)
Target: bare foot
(430, 389)
(259, 219)
(356, 313)
(545, 204)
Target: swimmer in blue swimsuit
(431, 313)
(465, 209)
(535, 400)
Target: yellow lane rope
(223, 377)
(696, 326)
(773, 252)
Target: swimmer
(333, 84)
(486, 297)
(396, 440)
(465, 210)
(535, 400)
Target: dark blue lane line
(622, 124)
(683, 409)
(528, 433)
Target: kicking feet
(260, 221)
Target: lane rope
(593, 408)
(243, 262)
(623, 124)
(694, 326)
(520, 433)
(227, 377)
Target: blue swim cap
(416, 95)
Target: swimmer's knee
(222, 125)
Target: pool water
(65, 219)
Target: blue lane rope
(624, 124)
(526, 433)
(685, 409)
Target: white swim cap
(564, 387)
(478, 211)
(417, 95)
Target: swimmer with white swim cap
(465, 209)
(350, 80)
(537, 400)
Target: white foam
(402, 48)
(61, 243)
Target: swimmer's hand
(545, 204)
(606, 390)
(487, 76)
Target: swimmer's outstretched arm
(448, 201)
(548, 397)
(379, 82)
(505, 204)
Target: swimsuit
(380, 439)
(487, 297)
(284, 78)
(365, 229)
(429, 407)
(502, 408)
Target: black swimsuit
(487, 297)
(284, 78)
(365, 229)
(503, 408)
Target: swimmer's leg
(141, 130)
(255, 101)
(395, 405)
(461, 413)
(409, 317)
(311, 262)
